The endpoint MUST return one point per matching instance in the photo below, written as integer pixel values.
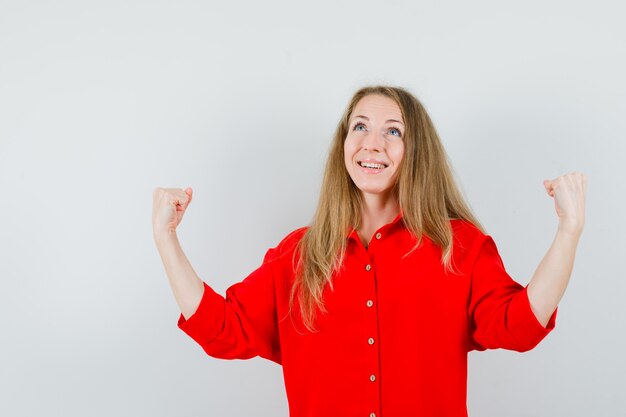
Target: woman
(372, 308)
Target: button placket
(369, 303)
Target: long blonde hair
(425, 190)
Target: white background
(101, 102)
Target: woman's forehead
(378, 107)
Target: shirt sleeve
(499, 311)
(241, 325)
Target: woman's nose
(373, 141)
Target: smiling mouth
(372, 165)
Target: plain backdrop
(102, 101)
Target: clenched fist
(168, 207)
(569, 192)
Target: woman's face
(374, 146)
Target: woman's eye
(398, 133)
(393, 130)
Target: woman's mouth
(371, 167)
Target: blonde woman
(372, 308)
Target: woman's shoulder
(464, 225)
(467, 232)
(291, 240)
(287, 244)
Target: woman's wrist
(164, 236)
(572, 232)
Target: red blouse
(395, 339)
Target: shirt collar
(354, 235)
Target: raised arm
(169, 205)
(240, 325)
(548, 284)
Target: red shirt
(395, 339)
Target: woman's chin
(374, 191)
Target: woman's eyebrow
(367, 118)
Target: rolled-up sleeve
(241, 325)
(500, 315)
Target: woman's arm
(168, 208)
(241, 325)
(185, 283)
(548, 284)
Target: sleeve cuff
(208, 319)
(524, 324)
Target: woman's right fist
(168, 208)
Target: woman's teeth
(371, 165)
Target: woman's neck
(376, 212)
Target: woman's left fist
(569, 192)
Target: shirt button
(370, 340)
(370, 303)
(372, 378)
(368, 267)
(372, 414)
(378, 235)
